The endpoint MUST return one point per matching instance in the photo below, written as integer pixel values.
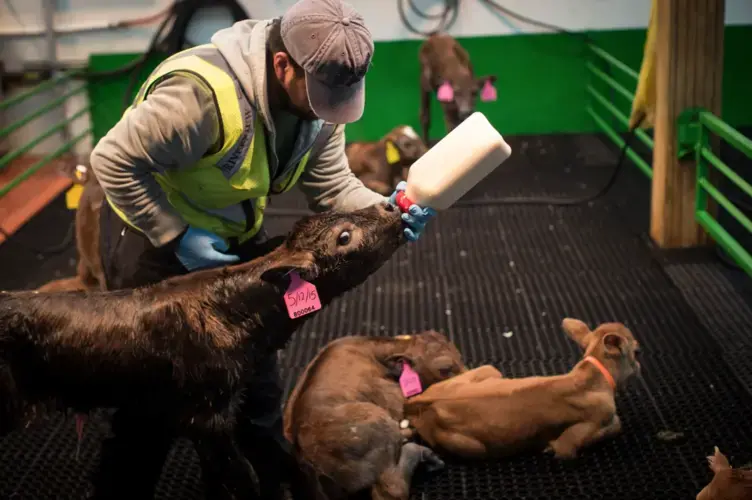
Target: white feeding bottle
(454, 165)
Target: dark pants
(132, 460)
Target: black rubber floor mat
(740, 362)
(495, 240)
(40, 463)
(498, 281)
(528, 172)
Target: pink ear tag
(301, 297)
(409, 381)
(445, 92)
(488, 92)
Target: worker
(187, 171)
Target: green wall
(541, 83)
(106, 93)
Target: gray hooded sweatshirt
(178, 124)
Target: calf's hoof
(432, 461)
(425, 456)
(561, 453)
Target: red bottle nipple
(403, 202)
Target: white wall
(382, 17)
(474, 19)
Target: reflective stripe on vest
(225, 191)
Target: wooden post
(689, 72)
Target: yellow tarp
(644, 100)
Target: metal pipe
(723, 201)
(645, 138)
(36, 90)
(613, 83)
(737, 252)
(51, 41)
(642, 164)
(732, 136)
(5, 160)
(737, 179)
(41, 163)
(94, 26)
(69, 30)
(615, 62)
(49, 30)
(28, 118)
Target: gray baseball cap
(329, 39)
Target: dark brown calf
(178, 351)
(445, 68)
(343, 415)
(89, 273)
(381, 165)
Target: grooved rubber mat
(498, 281)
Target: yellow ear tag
(403, 337)
(73, 195)
(392, 154)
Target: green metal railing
(598, 54)
(62, 126)
(695, 129)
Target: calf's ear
(577, 331)
(718, 461)
(395, 363)
(282, 273)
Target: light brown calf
(381, 165)
(479, 414)
(727, 483)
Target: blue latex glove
(201, 249)
(417, 217)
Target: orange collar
(606, 374)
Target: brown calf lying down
(343, 415)
(177, 351)
(480, 414)
(383, 164)
(727, 483)
(445, 68)
(90, 273)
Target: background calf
(445, 68)
(89, 272)
(383, 164)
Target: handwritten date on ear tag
(301, 297)
(409, 381)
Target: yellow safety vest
(236, 174)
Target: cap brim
(336, 105)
